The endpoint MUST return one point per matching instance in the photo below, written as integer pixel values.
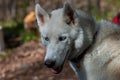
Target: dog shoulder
(107, 30)
(108, 26)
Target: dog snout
(49, 63)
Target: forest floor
(26, 63)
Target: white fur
(101, 51)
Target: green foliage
(15, 29)
(8, 24)
(28, 36)
(114, 2)
(4, 55)
(12, 27)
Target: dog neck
(81, 56)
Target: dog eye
(62, 38)
(46, 38)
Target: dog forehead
(56, 23)
(56, 29)
(57, 13)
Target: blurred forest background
(21, 53)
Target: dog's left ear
(68, 13)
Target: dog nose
(49, 63)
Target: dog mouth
(59, 69)
(56, 70)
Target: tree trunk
(98, 9)
(13, 8)
(2, 45)
(89, 5)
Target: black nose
(49, 63)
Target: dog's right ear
(41, 15)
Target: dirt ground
(26, 63)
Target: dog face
(58, 32)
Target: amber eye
(46, 38)
(62, 38)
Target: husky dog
(91, 48)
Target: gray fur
(79, 28)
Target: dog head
(59, 31)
